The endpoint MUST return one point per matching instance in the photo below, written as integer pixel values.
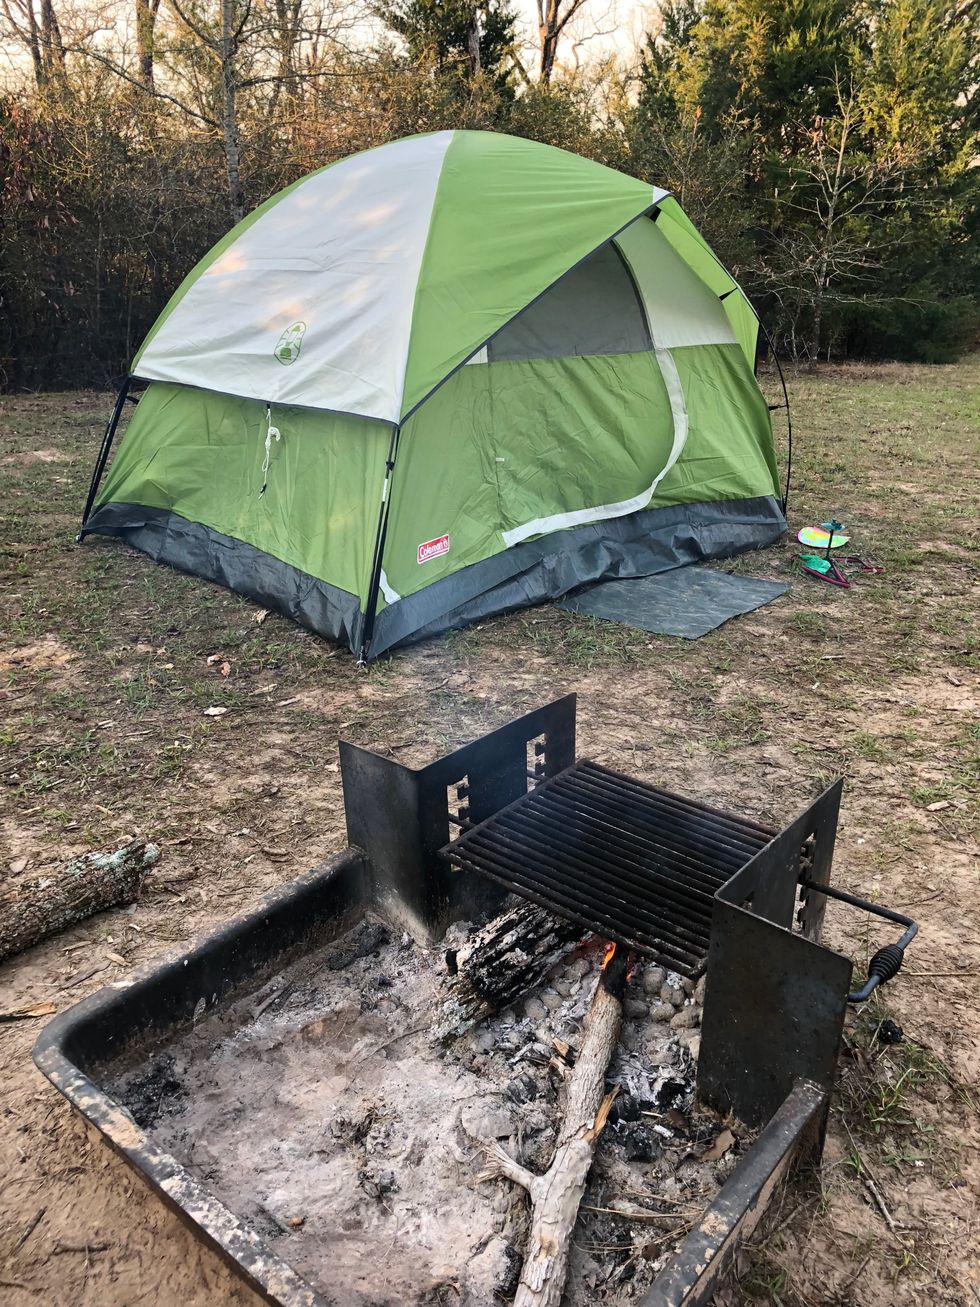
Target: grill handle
(886, 962)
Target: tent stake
(103, 458)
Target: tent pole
(103, 458)
(367, 629)
(785, 405)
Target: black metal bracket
(401, 816)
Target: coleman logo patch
(290, 343)
(433, 548)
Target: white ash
(322, 1111)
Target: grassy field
(108, 663)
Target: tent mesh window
(594, 309)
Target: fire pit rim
(59, 1054)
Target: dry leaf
(677, 1120)
(215, 712)
(214, 658)
(29, 1013)
(18, 865)
(938, 807)
(117, 957)
(260, 616)
(719, 1148)
(296, 1221)
(225, 668)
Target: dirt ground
(108, 663)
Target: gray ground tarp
(688, 601)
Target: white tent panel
(681, 309)
(313, 304)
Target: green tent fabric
(456, 374)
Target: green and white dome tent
(457, 374)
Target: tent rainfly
(457, 374)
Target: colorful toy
(824, 570)
(869, 564)
(819, 537)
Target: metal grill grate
(633, 863)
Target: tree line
(828, 149)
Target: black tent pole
(785, 405)
(367, 628)
(100, 462)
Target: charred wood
(500, 963)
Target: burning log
(501, 963)
(556, 1195)
(33, 908)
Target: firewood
(35, 907)
(557, 1195)
(500, 963)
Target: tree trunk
(556, 1195)
(473, 42)
(286, 85)
(548, 36)
(146, 18)
(818, 295)
(500, 963)
(53, 47)
(39, 906)
(34, 42)
(229, 116)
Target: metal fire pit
(743, 903)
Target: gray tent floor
(686, 601)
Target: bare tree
(839, 188)
(38, 31)
(553, 18)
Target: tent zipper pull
(271, 432)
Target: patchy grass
(109, 662)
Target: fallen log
(35, 907)
(557, 1195)
(500, 963)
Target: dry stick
(556, 1195)
(879, 1202)
(32, 1225)
(946, 974)
(638, 1214)
(852, 1279)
